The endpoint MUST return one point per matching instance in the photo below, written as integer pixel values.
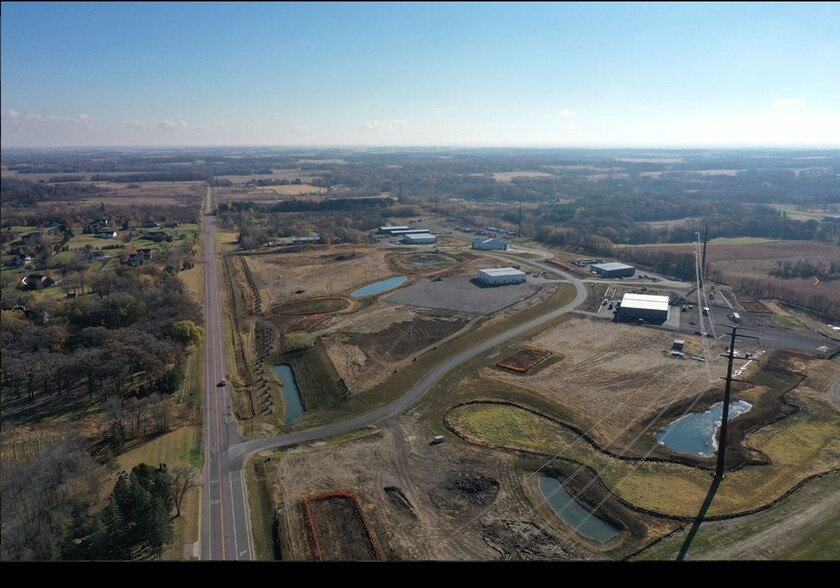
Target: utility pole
(519, 232)
(400, 200)
(725, 416)
(703, 260)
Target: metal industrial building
(387, 230)
(400, 232)
(651, 309)
(500, 275)
(419, 239)
(488, 244)
(613, 270)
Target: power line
(557, 455)
(607, 466)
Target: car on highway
(222, 384)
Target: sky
(592, 74)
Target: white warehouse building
(500, 275)
(651, 309)
(419, 239)
(488, 244)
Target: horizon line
(668, 147)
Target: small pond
(696, 433)
(291, 396)
(573, 514)
(378, 287)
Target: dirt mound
(462, 490)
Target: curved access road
(225, 526)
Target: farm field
(748, 248)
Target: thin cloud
(782, 102)
(37, 119)
(565, 117)
(165, 125)
(171, 125)
(375, 125)
(298, 129)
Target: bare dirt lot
(318, 272)
(423, 502)
(611, 372)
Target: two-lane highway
(225, 530)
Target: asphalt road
(225, 529)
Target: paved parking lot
(461, 294)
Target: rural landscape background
(436, 287)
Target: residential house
(156, 236)
(37, 282)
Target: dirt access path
(796, 525)
(834, 393)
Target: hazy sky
(565, 74)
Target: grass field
(799, 446)
(801, 215)
(316, 376)
(412, 263)
(293, 189)
(718, 241)
(748, 248)
(819, 542)
(179, 448)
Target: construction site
(573, 411)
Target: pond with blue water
(378, 287)
(696, 434)
(573, 514)
(291, 395)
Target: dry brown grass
(507, 177)
(279, 276)
(764, 250)
(613, 373)
(293, 189)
